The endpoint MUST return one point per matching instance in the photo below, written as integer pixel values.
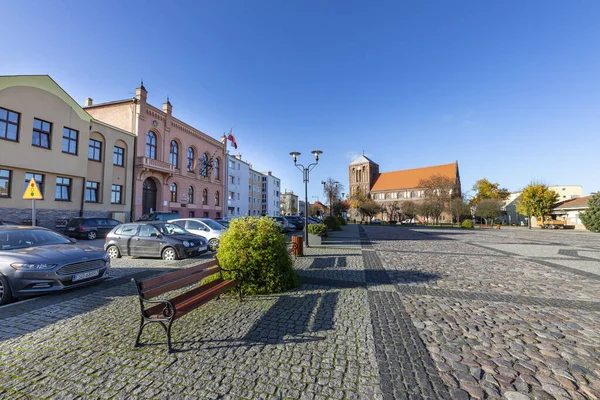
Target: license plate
(85, 275)
(202, 248)
(71, 229)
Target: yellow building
(83, 167)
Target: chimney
(141, 93)
(167, 107)
(88, 102)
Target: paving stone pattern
(383, 312)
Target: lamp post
(305, 175)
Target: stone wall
(49, 218)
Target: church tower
(362, 173)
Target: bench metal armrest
(168, 311)
(239, 275)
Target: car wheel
(113, 252)
(92, 235)
(213, 244)
(169, 254)
(5, 294)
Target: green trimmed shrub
(257, 248)
(467, 224)
(333, 223)
(318, 229)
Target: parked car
(90, 228)
(163, 216)
(296, 220)
(314, 220)
(376, 221)
(8, 223)
(36, 260)
(153, 239)
(205, 227)
(283, 224)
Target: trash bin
(299, 241)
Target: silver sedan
(36, 260)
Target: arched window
(204, 166)
(191, 195)
(205, 196)
(190, 160)
(173, 189)
(151, 145)
(412, 195)
(217, 169)
(174, 154)
(217, 198)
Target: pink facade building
(177, 167)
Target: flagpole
(33, 213)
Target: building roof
(579, 202)
(361, 160)
(410, 178)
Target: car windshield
(20, 239)
(171, 229)
(213, 224)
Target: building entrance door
(149, 196)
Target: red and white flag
(232, 139)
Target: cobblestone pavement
(383, 312)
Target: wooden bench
(163, 311)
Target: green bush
(467, 224)
(343, 221)
(333, 223)
(318, 229)
(257, 248)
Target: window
(238, 195)
(191, 195)
(192, 214)
(127, 229)
(151, 145)
(231, 196)
(204, 170)
(41, 133)
(5, 178)
(205, 214)
(147, 231)
(174, 154)
(116, 194)
(205, 196)
(95, 150)
(190, 160)
(217, 198)
(39, 179)
(232, 180)
(217, 169)
(63, 189)
(69, 141)
(173, 189)
(9, 124)
(91, 191)
(118, 156)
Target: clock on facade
(155, 123)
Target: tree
(332, 190)
(370, 208)
(410, 209)
(489, 209)
(433, 207)
(393, 210)
(537, 200)
(438, 192)
(591, 217)
(459, 208)
(486, 190)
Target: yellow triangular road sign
(32, 192)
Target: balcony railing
(157, 165)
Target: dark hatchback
(153, 239)
(36, 260)
(90, 228)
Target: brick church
(396, 186)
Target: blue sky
(510, 89)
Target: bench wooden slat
(188, 301)
(171, 276)
(180, 283)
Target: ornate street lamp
(305, 175)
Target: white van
(209, 229)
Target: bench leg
(141, 328)
(167, 329)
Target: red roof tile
(410, 178)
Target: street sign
(32, 192)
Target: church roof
(361, 160)
(410, 178)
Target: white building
(565, 192)
(238, 175)
(271, 187)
